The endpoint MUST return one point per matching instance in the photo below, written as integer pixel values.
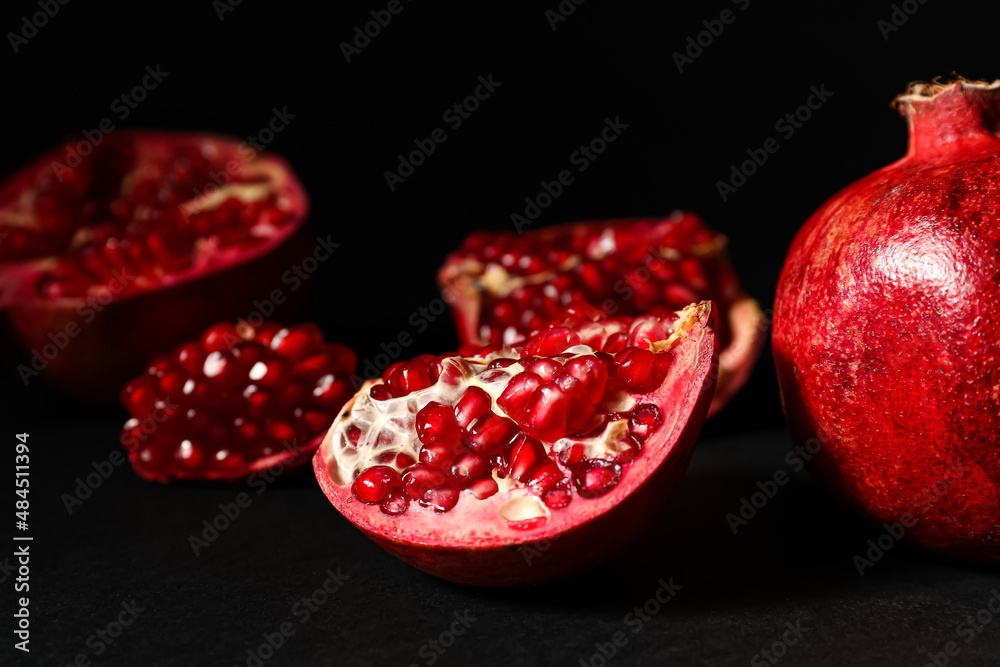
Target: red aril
(584, 453)
(238, 400)
(504, 285)
(138, 246)
(887, 329)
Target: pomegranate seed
(468, 467)
(615, 343)
(634, 366)
(579, 408)
(441, 499)
(551, 342)
(297, 342)
(519, 390)
(272, 373)
(594, 478)
(220, 336)
(546, 369)
(632, 449)
(395, 502)
(545, 416)
(592, 373)
(558, 495)
(643, 420)
(381, 392)
(573, 454)
(438, 454)
(189, 454)
(421, 478)
(490, 434)
(139, 397)
(435, 423)
(544, 476)
(482, 489)
(191, 357)
(374, 483)
(474, 404)
(525, 454)
(410, 377)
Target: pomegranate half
(110, 258)
(887, 329)
(462, 464)
(503, 285)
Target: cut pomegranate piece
(586, 449)
(205, 412)
(506, 285)
(138, 247)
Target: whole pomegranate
(887, 329)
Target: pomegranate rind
(471, 545)
(886, 330)
(746, 323)
(113, 340)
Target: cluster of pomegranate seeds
(559, 414)
(239, 399)
(641, 267)
(130, 214)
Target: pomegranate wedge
(459, 464)
(113, 257)
(504, 285)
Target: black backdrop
(230, 67)
(685, 128)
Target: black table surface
(784, 588)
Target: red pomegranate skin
(887, 329)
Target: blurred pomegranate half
(112, 253)
(462, 464)
(887, 328)
(503, 285)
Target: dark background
(685, 130)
